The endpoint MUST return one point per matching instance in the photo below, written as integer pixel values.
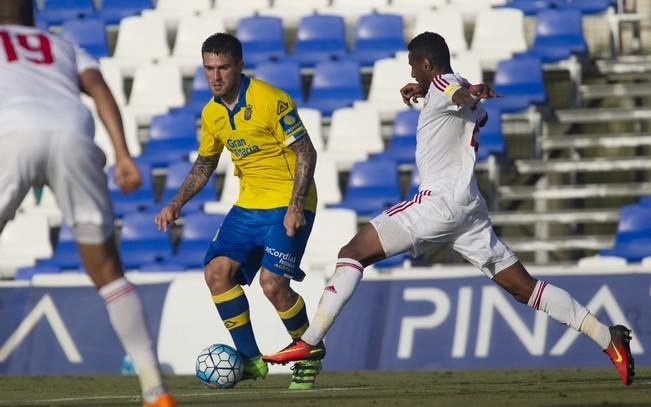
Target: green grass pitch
(465, 388)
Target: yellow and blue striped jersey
(257, 132)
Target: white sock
(599, 332)
(338, 291)
(128, 320)
(559, 304)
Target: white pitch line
(217, 393)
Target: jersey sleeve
(443, 87)
(286, 123)
(84, 60)
(209, 143)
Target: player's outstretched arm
(196, 179)
(469, 95)
(127, 176)
(303, 178)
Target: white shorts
(431, 220)
(71, 164)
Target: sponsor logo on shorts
(286, 261)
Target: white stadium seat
(231, 11)
(354, 134)
(411, 9)
(192, 32)
(499, 33)
(114, 79)
(468, 65)
(389, 75)
(445, 22)
(326, 178)
(156, 88)
(291, 11)
(332, 229)
(311, 119)
(140, 40)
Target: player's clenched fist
(167, 216)
(127, 175)
(410, 92)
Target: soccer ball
(219, 366)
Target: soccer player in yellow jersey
(270, 223)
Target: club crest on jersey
(248, 110)
(281, 107)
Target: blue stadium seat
(26, 273)
(137, 200)
(378, 36)
(414, 184)
(200, 94)
(633, 238)
(66, 254)
(262, 39)
(113, 11)
(162, 266)
(55, 12)
(491, 137)
(372, 187)
(176, 173)
(586, 6)
(198, 230)
(559, 34)
(393, 261)
(140, 240)
(335, 85)
(89, 34)
(402, 145)
(645, 201)
(172, 136)
(319, 38)
(283, 75)
(520, 81)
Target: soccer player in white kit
(448, 208)
(46, 138)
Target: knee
(218, 275)
(276, 289)
(350, 251)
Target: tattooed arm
(303, 178)
(196, 179)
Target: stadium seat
(283, 75)
(311, 119)
(89, 34)
(292, 11)
(172, 137)
(414, 183)
(140, 240)
(141, 40)
(335, 85)
(468, 65)
(229, 194)
(156, 88)
(326, 178)
(372, 187)
(319, 38)
(25, 239)
(559, 34)
(528, 7)
(491, 137)
(354, 134)
(176, 174)
(198, 230)
(586, 6)
(410, 10)
(470, 9)
(113, 11)
(402, 145)
(377, 36)
(66, 254)
(137, 200)
(633, 238)
(645, 201)
(231, 12)
(190, 35)
(499, 33)
(332, 229)
(26, 273)
(520, 82)
(446, 22)
(200, 93)
(262, 40)
(55, 12)
(389, 75)
(112, 74)
(351, 11)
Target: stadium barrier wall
(405, 320)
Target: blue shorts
(257, 237)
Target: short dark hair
(17, 11)
(222, 43)
(431, 46)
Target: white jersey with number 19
(39, 82)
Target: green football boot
(255, 368)
(304, 374)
